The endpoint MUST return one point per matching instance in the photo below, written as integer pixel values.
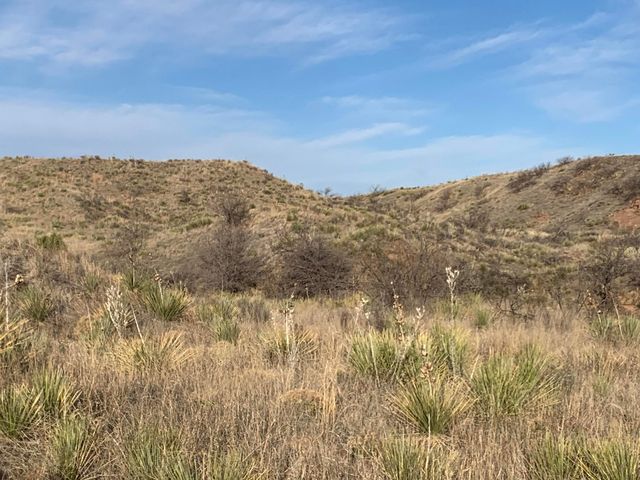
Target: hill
(528, 222)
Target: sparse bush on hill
(527, 178)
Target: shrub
(382, 356)
(75, 450)
(508, 386)
(36, 304)
(166, 304)
(433, 406)
(19, 411)
(405, 269)
(230, 259)
(220, 316)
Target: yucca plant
(161, 353)
(610, 460)
(52, 242)
(553, 458)
(291, 343)
(227, 331)
(228, 466)
(602, 327)
(408, 458)
(35, 304)
(629, 328)
(509, 385)
(166, 304)
(148, 452)
(448, 349)
(20, 411)
(75, 450)
(14, 337)
(221, 316)
(254, 309)
(431, 406)
(383, 356)
(57, 394)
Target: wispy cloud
(344, 160)
(485, 46)
(361, 134)
(98, 33)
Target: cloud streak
(94, 33)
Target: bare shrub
(313, 265)
(610, 270)
(229, 259)
(412, 270)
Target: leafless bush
(228, 259)
(313, 265)
(412, 270)
(234, 209)
(610, 270)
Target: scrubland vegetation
(298, 353)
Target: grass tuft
(20, 411)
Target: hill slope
(535, 218)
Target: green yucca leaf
(19, 411)
(75, 450)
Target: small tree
(228, 253)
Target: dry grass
(307, 396)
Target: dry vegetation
(377, 351)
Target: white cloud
(96, 33)
(46, 128)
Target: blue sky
(347, 94)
